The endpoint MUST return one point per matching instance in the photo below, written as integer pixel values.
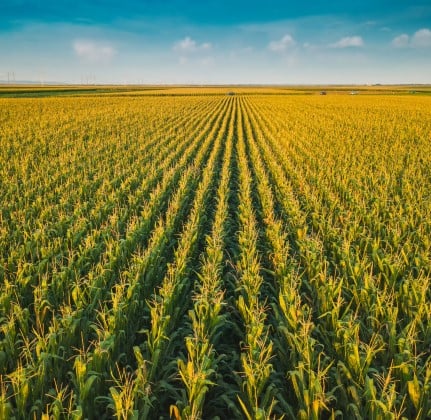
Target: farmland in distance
(183, 253)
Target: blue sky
(236, 41)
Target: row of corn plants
(198, 370)
(169, 304)
(256, 400)
(300, 358)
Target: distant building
(322, 92)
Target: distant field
(185, 253)
(20, 91)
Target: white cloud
(189, 45)
(93, 51)
(422, 38)
(282, 44)
(401, 41)
(348, 41)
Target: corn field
(215, 257)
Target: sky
(216, 41)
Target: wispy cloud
(348, 42)
(189, 45)
(401, 41)
(93, 51)
(192, 52)
(282, 44)
(420, 39)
